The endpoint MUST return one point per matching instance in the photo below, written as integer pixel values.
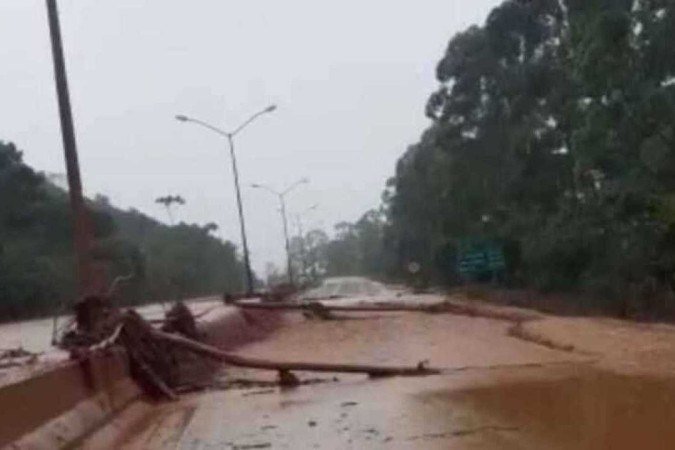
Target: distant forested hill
(36, 251)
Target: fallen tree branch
(254, 363)
(16, 357)
(152, 377)
(154, 355)
(382, 307)
(107, 342)
(153, 363)
(441, 307)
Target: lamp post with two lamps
(229, 135)
(282, 204)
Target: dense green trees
(553, 130)
(355, 249)
(37, 263)
(34, 243)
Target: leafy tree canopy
(37, 261)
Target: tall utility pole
(282, 208)
(240, 208)
(83, 236)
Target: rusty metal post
(83, 237)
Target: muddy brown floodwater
(500, 392)
(579, 408)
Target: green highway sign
(480, 257)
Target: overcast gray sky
(350, 78)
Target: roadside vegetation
(36, 250)
(552, 131)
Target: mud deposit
(578, 408)
(499, 392)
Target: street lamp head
(270, 108)
(181, 118)
(304, 180)
(255, 185)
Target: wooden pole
(83, 236)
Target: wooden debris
(316, 306)
(153, 364)
(287, 379)
(16, 357)
(179, 319)
(264, 364)
(317, 311)
(156, 355)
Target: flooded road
(498, 392)
(577, 408)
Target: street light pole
(289, 263)
(242, 223)
(282, 204)
(301, 235)
(240, 208)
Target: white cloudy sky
(350, 78)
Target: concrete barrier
(63, 405)
(228, 327)
(60, 405)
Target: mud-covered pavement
(501, 390)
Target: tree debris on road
(155, 353)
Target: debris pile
(169, 359)
(15, 357)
